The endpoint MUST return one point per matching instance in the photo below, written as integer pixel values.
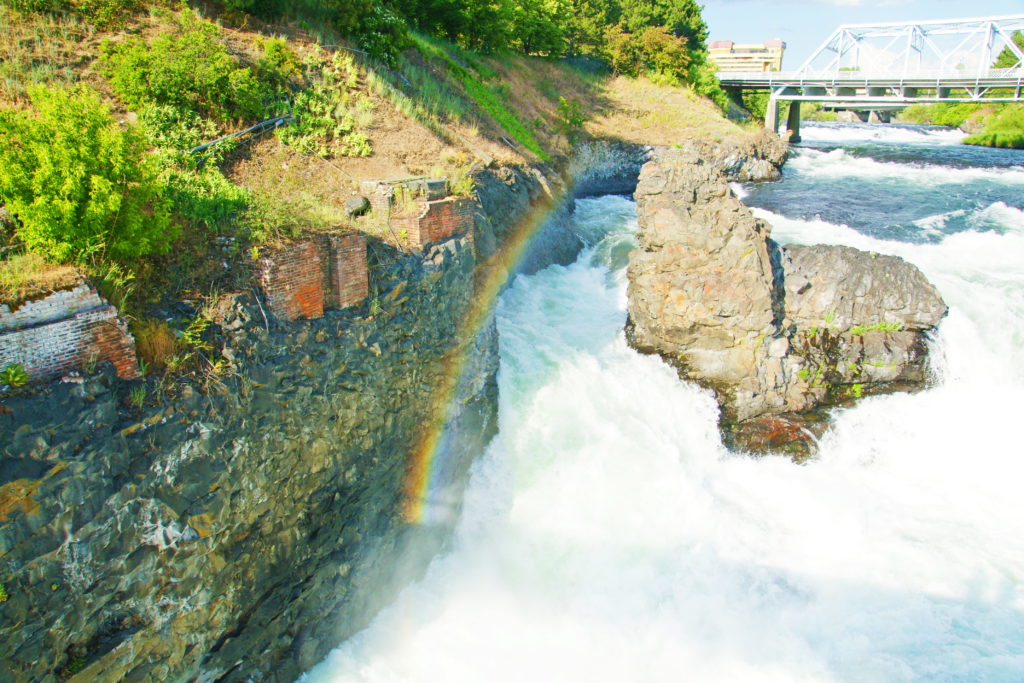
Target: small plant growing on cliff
(137, 397)
(884, 326)
(3, 593)
(14, 375)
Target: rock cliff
(238, 528)
(775, 332)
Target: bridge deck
(947, 86)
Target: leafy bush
(107, 13)
(329, 113)
(81, 187)
(571, 118)
(651, 50)
(188, 68)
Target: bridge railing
(914, 74)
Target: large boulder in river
(775, 332)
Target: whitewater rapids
(608, 536)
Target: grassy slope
(442, 112)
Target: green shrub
(107, 13)
(571, 118)
(81, 187)
(188, 67)
(279, 63)
(330, 112)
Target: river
(608, 536)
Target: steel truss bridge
(886, 66)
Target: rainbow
(422, 480)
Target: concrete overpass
(898, 64)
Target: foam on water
(608, 536)
(812, 132)
(838, 163)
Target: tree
(80, 185)
(681, 17)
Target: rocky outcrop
(774, 332)
(753, 158)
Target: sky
(806, 24)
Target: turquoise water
(608, 536)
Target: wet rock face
(775, 332)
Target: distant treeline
(659, 37)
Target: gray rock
(357, 206)
(771, 331)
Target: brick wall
(65, 331)
(293, 282)
(438, 221)
(301, 280)
(349, 274)
(53, 306)
(381, 193)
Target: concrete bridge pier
(771, 118)
(793, 121)
(771, 115)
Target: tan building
(730, 56)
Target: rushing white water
(870, 132)
(608, 536)
(838, 163)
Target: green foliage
(571, 118)
(279, 63)
(952, 114)
(107, 13)
(1006, 58)
(35, 5)
(102, 13)
(193, 185)
(188, 67)
(1005, 128)
(490, 100)
(330, 113)
(14, 375)
(3, 593)
(81, 186)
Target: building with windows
(730, 56)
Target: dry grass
(637, 110)
(155, 343)
(27, 275)
(39, 47)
